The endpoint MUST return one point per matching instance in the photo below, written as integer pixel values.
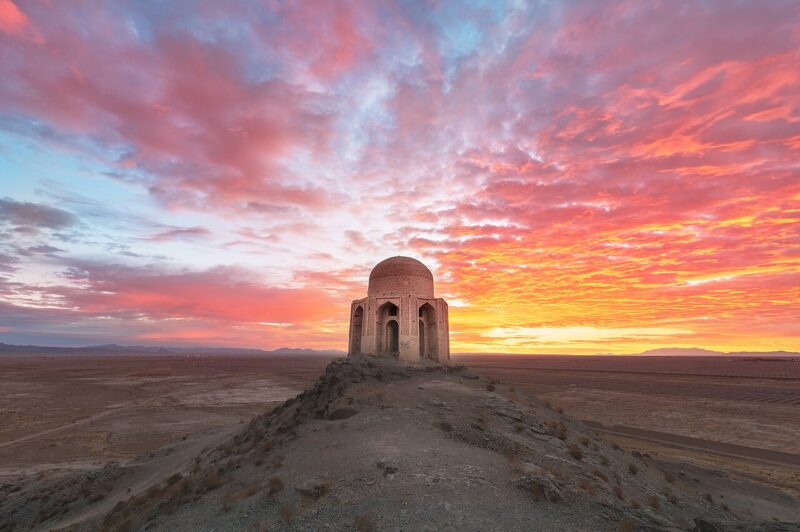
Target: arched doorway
(388, 330)
(392, 337)
(429, 344)
(355, 333)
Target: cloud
(15, 22)
(532, 337)
(181, 233)
(43, 249)
(220, 306)
(227, 294)
(26, 214)
(7, 262)
(181, 116)
(11, 18)
(578, 168)
(359, 241)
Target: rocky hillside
(379, 445)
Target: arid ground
(736, 416)
(724, 423)
(75, 411)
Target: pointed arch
(422, 339)
(429, 332)
(387, 328)
(392, 337)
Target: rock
(342, 413)
(388, 467)
(540, 488)
(511, 416)
(532, 470)
(313, 490)
(701, 525)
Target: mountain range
(111, 349)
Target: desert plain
(732, 418)
(731, 425)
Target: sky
(581, 177)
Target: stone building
(400, 315)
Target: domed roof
(400, 267)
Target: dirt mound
(379, 445)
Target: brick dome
(400, 276)
(400, 267)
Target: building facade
(400, 316)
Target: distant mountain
(765, 353)
(112, 349)
(681, 352)
(696, 351)
(302, 351)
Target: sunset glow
(581, 177)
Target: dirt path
(73, 424)
(697, 444)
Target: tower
(400, 315)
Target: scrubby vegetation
(575, 452)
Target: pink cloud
(225, 294)
(14, 22)
(11, 18)
(184, 110)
